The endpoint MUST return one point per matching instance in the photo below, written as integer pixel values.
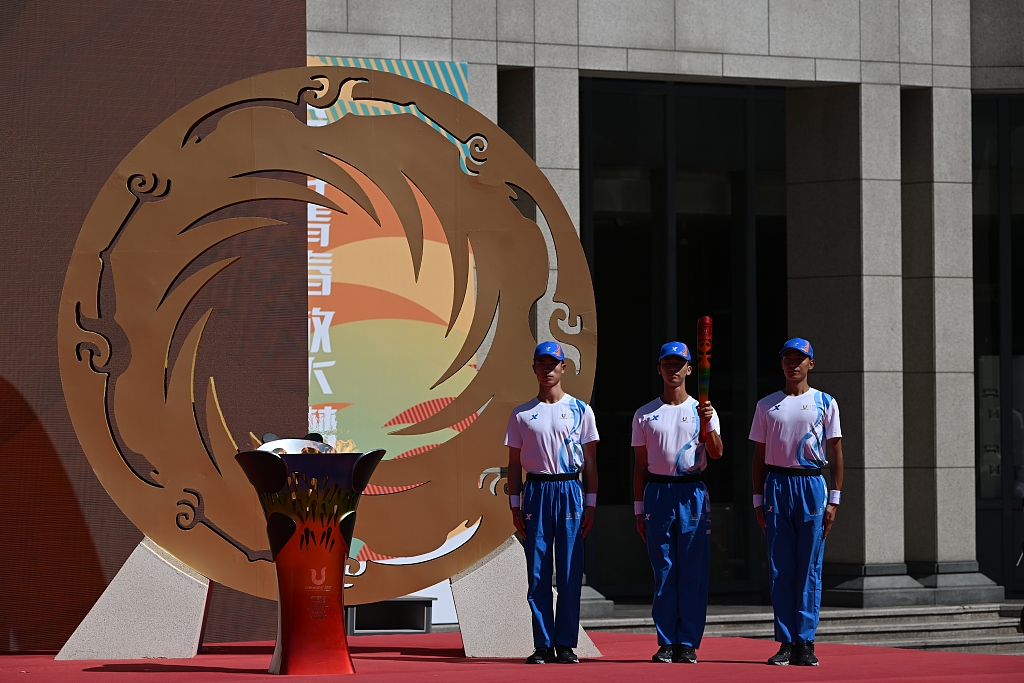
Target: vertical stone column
(557, 126)
(557, 153)
(845, 292)
(939, 488)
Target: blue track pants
(552, 511)
(794, 508)
(677, 520)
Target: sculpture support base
(490, 599)
(153, 608)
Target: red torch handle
(703, 370)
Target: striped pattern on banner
(449, 77)
(365, 555)
(462, 425)
(374, 490)
(416, 451)
(419, 412)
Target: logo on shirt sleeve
(532, 417)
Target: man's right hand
(517, 521)
(760, 517)
(640, 528)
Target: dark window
(684, 215)
(998, 207)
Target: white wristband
(638, 507)
(591, 500)
(834, 496)
(758, 500)
(513, 502)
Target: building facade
(841, 170)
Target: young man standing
(793, 429)
(553, 437)
(673, 509)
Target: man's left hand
(830, 518)
(587, 521)
(706, 411)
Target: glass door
(998, 207)
(683, 213)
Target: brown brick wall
(80, 84)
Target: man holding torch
(673, 510)
(793, 430)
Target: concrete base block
(877, 591)
(490, 599)
(153, 608)
(963, 589)
(593, 605)
(913, 583)
(872, 585)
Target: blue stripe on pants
(552, 511)
(677, 520)
(794, 508)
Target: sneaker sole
(779, 663)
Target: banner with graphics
(378, 331)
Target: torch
(703, 370)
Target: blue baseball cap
(798, 344)
(674, 349)
(553, 349)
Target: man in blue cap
(553, 438)
(672, 506)
(793, 431)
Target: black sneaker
(685, 654)
(782, 657)
(542, 655)
(664, 654)
(565, 655)
(804, 655)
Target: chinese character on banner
(318, 273)
(318, 218)
(323, 420)
(318, 222)
(316, 369)
(319, 330)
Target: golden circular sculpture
(158, 212)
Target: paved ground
(438, 656)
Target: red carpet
(438, 657)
